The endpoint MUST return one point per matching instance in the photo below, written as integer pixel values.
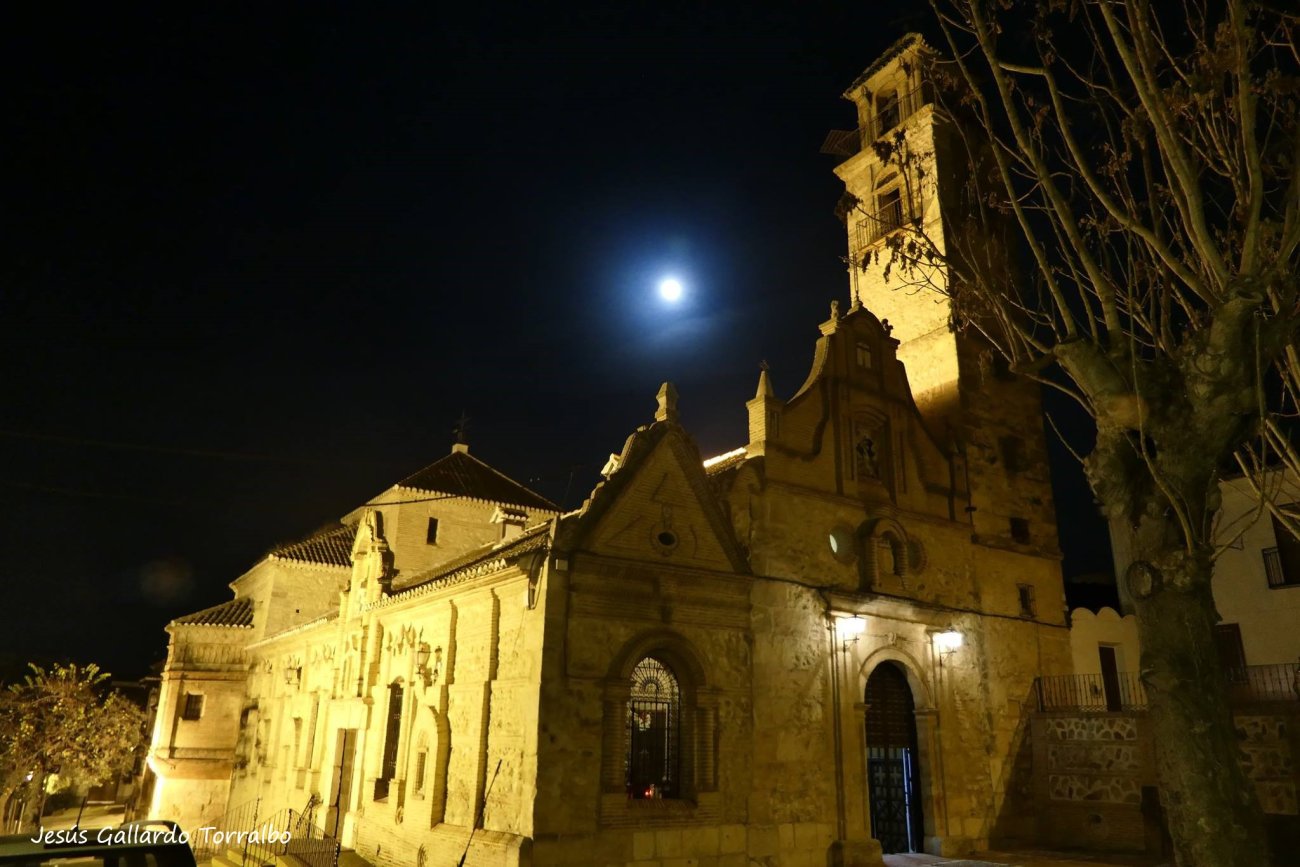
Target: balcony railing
(1123, 691)
(1094, 693)
(1264, 683)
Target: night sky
(258, 260)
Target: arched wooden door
(893, 767)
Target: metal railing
(1092, 693)
(1256, 683)
(1123, 691)
(284, 832)
(241, 818)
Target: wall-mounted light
(848, 628)
(292, 675)
(423, 654)
(948, 640)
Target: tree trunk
(1214, 815)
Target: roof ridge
(474, 479)
(493, 469)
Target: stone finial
(889, 329)
(835, 309)
(667, 397)
(764, 382)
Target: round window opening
(840, 540)
(667, 539)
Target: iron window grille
(653, 732)
(193, 708)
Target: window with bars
(421, 763)
(889, 211)
(193, 707)
(1282, 563)
(653, 732)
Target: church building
(811, 649)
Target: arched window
(653, 731)
(888, 114)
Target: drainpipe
(837, 735)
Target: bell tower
(968, 397)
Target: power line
(177, 450)
(95, 495)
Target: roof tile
(236, 612)
(331, 547)
(460, 475)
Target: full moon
(670, 289)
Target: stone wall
(1090, 771)
(1269, 748)
(1095, 777)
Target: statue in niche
(868, 456)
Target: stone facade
(1096, 785)
(675, 673)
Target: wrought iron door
(892, 771)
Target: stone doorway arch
(894, 773)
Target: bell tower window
(887, 112)
(889, 210)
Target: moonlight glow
(670, 289)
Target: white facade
(1256, 576)
(1265, 607)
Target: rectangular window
(1013, 453)
(392, 736)
(421, 759)
(193, 707)
(1026, 594)
(864, 355)
(1020, 530)
(1282, 564)
(432, 537)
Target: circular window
(840, 540)
(664, 540)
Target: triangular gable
(658, 506)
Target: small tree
(1146, 154)
(63, 721)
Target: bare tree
(1145, 157)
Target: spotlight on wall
(848, 628)
(422, 656)
(948, 641)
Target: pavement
(98, 814)
(1028, 858)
